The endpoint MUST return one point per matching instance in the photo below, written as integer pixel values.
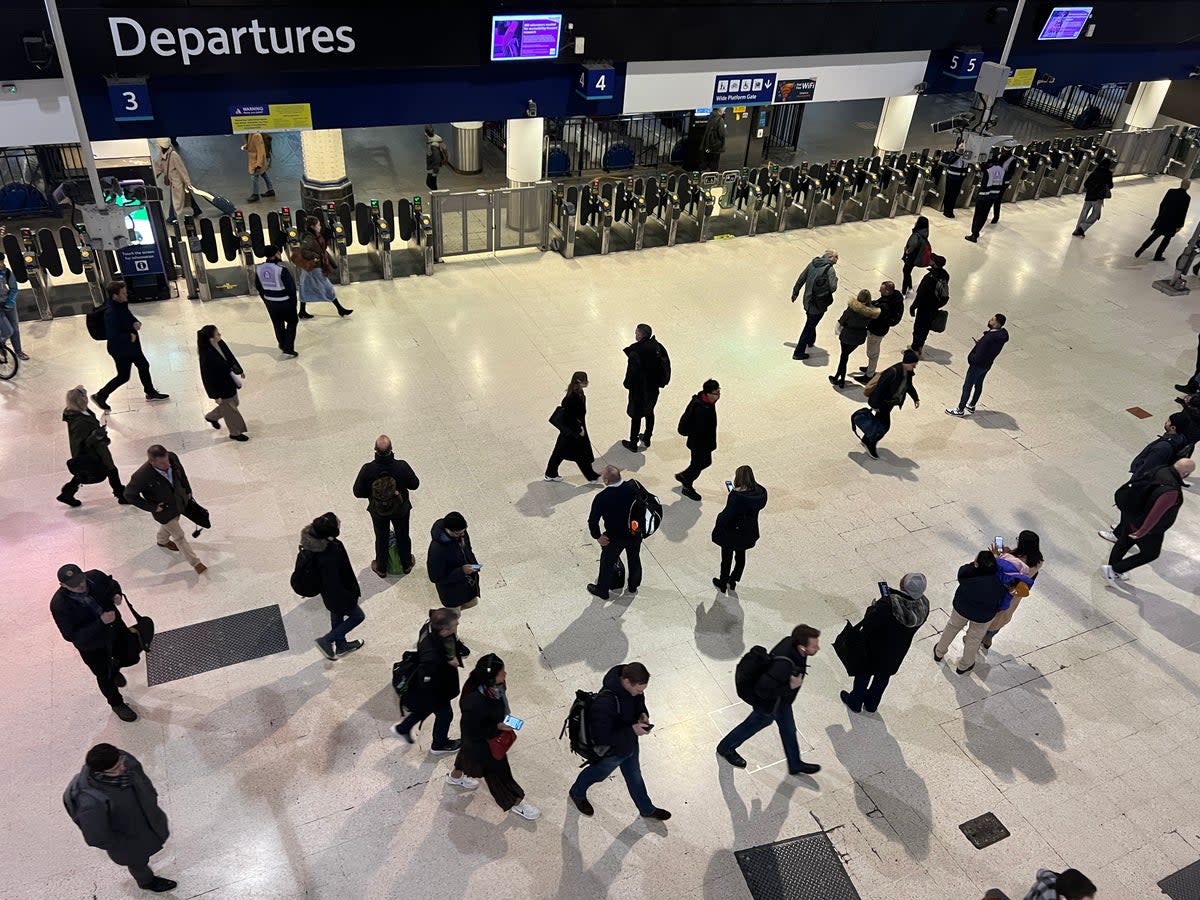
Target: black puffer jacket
(444, 564)
(339, 583)
(699, 424)
(736, 527)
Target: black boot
(270, 193)
(304, 313)
(342, 311)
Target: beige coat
(256, 154)
(170, 167)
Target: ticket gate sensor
(754, 207)
(426, 241)
(1032, 175)
(1081, 164)
(1055, 180)
(782, 205)
(183, 253)
(868, 194)
(245, 246)
(82, 260)
(914, 198)
(196, 251)
(37, 278)
(564, 204)
(381, 239)
(639, 222)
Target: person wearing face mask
(115, 806)
(487, 738)
(451, 563)
(339, 585)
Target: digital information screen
(525, 37)
(1066, 23)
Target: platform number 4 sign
(130, 101)
(595, 82)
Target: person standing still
(435, 157)
(736, 528)
(124, 345)
(647, 371)
(1097, 188)
(979, 596)
(713, 142)
(10, 321)
(1172, 213)
(275, 284)
(258, 160)
(115, 806)
(451, 563)
(222, 376)
(979, 363)
(891, 313)
(853, 324)
(611, 506)
(385, 483)
(339, 585)
(955, 164)
(161, 488)
(916, 252)
(819, 281)
(887, 632)
(699, 425)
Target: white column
(894, 122)
(324, 180)
(1147, 101)
(468, 140)
(524, 150)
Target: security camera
(920, 87)
(531, 109)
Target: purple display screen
(525, 37)
(1065, 23)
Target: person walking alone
(819, 280)
(852, 331)
(124, 345)
(161, 487)
(222, 376)
(736, 528)
(339, 585)
(171, 168)
(647, 371)
(979, 596)
(933, 293)
(611, 507)
(979, 363)
(10, 320)
(887, 632)
(916, 252)
(275, 284)
(894, 384)
(699, 425)
(91, 461)
(315, 266)
(1172, 213)
(440, 656)
(385, 483)
(1147, 512)
(435, 157)
(258, 160)
(891, 313)
(987, 195)
(573, 442)
(1097, 188)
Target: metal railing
(29, 176)
(619, 143)
(1097, 105)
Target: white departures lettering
(130, 38)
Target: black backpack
(95, 323)
(822, 293)
(664, 365)
(73, 794)
(578, 731)
(894, 314)
(386, 497)
(404, 673)
(750, 669)
(645, 512)
(306, 577)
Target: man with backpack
(258, 160)
(613, 506)
(699, 425)
(1171, 445)
(440, 656)
(115, 806)
(769, 682)
(1149, 506)
(819, 281)
(647, 371)
(933, 293)
(616, 719)
(384, 483)
(435, 157)
(891, 314)
(124, 345)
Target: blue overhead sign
(130, 101)
(744, 90)
(259, 110)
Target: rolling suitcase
(221, 203)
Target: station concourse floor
(280, 776)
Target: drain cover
(802, 868)
(984, 830)
(1184, 884)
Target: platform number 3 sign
(130, 101)
(595, 82)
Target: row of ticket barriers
(629, 214)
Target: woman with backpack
(916, 252)
(933, 293)
(440, 655)
(339, 584)
(315, 265)
(1026, 559)
(852, 331)
(487, 738)
(222, 376)
(573, 443)
(736, 528)
(90, 462)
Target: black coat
(437, 680)
(647, 371)
(573, 442)
(479, 718)
(118, 327)
(891, 309)
(699, 424)
(1162, 451)
(1172, 211)
(1098, 184)
(613, 714)
(444, 564)
(978, 596)
(80, 624)
(774, 686)
(736, 527)
(217, 368)
(927, 302)
(386, 464)
(89, 442)
(893, 383)
(339, 582)
(888, 629)
(612, 506)
(124, 821)
(147, 490)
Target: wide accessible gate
(488, 221)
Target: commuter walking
(1008, 166)
(161, 487)
(852, 331)
(647, 371)
(115, 806)
(10, 321)
(979, 596)
(90, 462)
(385, 483)
(1164, 450)
(316, 264)
(1148, 510)
(699, 425)
(611, 507)
(1192, 385)
(171, 168)
(917, 251)
(713, 142)
(891, 313)
(987, 196)
(339, 584)
(1172, 213)
(435, 157)
(933, 293)
(979, 363)
(573, 442)
(1097, 188)
(886, 633)
(954, 162)
(894, 384)
(770, 683)
(440, 656)
(275, 284)
(258, 160)
(618, 719)
(736, 528)
(487, 738)
(1026, 560)
(223, 377)
(85, 610)
(1069, 885)
(819, 280)
(124, 345)
(451, 563)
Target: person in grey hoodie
(819, 281)
(116, 808)
(887, 632)
(979, 363)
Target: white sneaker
(526, 810)
(465, 781)
(551, 478)
(1108, 536)
(970, 410)
(1113, 575)
(955, 411)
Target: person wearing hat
(115, 806)
(171, 168)
(933, 293)
(339, 584)
(894, 384)
(886, 633)
(451, 562)
(85, 610)
(91, 462)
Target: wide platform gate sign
(756, 89)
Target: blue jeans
(343, 625)
(10, 326)
(254, 182)
(756, 722)
(630, 767)
(974, 380)
(442, 717)
(808, 336)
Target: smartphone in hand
(476, 566)
(513, 722)
(729, 486)
(1000, 542)
(884, 591)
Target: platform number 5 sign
(595, 82)
(130, 101)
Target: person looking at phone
(736, 528)
(886, 633)
(451, 563)
(440, 656)
(617, 720)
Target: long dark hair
(310, 225)
(204, 338)
(578, 380)
(486, 669)
(1029, 548)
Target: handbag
(142, 627)
(558, 419)
(500, 743)
(850, 649)
(939, 320)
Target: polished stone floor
(281, 779)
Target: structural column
(324, 180)
(468, 144)
(524, 150)
(1147, 101)
(894, 122)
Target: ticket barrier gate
(337, 237)
(655, 209)
(1027, 186)
(627, 222)
(1055, 180)
(1079, 164)
(564, 203)
(36, 274)
(916, 178)
(376, 220)
(37, 258)
(830, 193)
(865, 185)
(219, 246)
(806, 192)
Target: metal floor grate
(192, 649)
(802, 868)
(1184, 884)
(984, 830)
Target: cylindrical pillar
(324, 180)
(468, 142)
(1147, 101)
(894, 122)
(524, 150)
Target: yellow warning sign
(273, 117)
(1021, 80)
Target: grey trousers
(227, 409)
(971, 640)
(874, 341)
(1090, 214)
